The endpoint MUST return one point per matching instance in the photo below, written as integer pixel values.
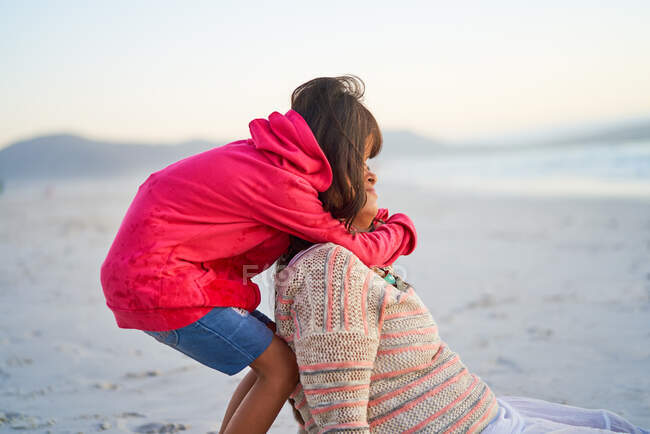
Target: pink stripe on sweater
(282, 317)
(330, 290)
(405, 349)
(482, 419)
(425, 331)
(413, 384)
(302, 403)
(343, 426)
(295, 323)
(411, 369)
(346, 285)
(320, 410)
(472, 411)
(415, 402)
(284, 300)
(296, 391)
(409, 313)
(446, 407)
(336, 389)
(364, 296)
(353, 364)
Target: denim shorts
(226, 339)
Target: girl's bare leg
(276, 374)
(240, 392)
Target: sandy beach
(546, 297)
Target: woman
(371, 360)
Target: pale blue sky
(168, 71)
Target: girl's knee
(286, 370)
(277, 361)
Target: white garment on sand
(531, 416)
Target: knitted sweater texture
(369, 355)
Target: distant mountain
(613, 133)
(401, 142)
(407, 144)
(66, 155)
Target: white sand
(543, 297)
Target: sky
(169, 71)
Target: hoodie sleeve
(299, 212)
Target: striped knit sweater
(369, 354)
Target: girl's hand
(380, 218)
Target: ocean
(596, 170)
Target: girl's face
(364, 217)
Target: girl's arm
(300, 213)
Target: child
(199, 229)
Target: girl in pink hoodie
(198, 230)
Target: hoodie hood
(290, 144)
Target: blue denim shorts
(226, 339)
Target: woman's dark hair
(333, 109)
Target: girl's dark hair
(341, 124)
(333, 109)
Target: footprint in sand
(510, 364)
(539, 333)
(20, 421)
(498, 315)
(16, 361)
(485, 300)
(145, 374)
(488, 299)
(157, 427)
(33, 334)
(106, 385)
(128, 414)
(568, 296)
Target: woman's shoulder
(319, 253)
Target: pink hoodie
(198, 229)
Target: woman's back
(369, 354)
